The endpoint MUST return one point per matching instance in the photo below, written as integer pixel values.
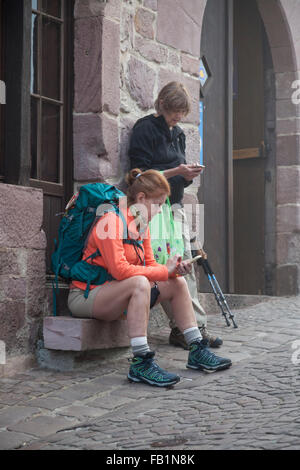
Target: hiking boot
(144, 369)
(213, 341)
(176, 338)
(201, 358)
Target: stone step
(82, 334)
(75, 334)
(234, 301)
(158, 318)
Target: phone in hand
(197, 166)
(193, 260)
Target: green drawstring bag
(166, 235)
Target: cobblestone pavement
(253, 405)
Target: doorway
(238, 186)
(253, 162)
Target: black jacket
(153, 145)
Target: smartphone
(197, 166)
(193, 260)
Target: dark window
(47, 90)
(51, 88)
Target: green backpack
(76, 225)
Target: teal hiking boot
(200, 357)
(144, 369)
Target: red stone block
(87, 8)
(12, 319)
(88, 146)
(151, 4)
(13, 261)
(151, 50)
(143, 21)
(110, 66)
(190, 65)
(21, 217)
(141, 82)
(288, 185)
(76, 334)
(288, 150)
(180, 27)
(87, 65)
(288, 218)
(287, 280)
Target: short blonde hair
(150, 182)
(173, 97)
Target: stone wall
(141, 51)
(159, 43)
(22, 269)
(97, 90)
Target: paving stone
(252, 405)
(16, 414)
(13, 440)
(80, 412)
(42, 426)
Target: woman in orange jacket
(139, 281)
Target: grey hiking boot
(213, 341)
(176, 338)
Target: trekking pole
(218, 292)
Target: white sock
(139, 345)
(192, 334)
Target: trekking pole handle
(206, 267)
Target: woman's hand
(171, 265)
(189, 172)
(177, 267)
(184, 268)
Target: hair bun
(132, 175)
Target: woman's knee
(179, 284)
(141, 284)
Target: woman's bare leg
(176, 291)
(133, 295)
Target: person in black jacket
(157, 142)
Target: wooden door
(248, 149)
(51, 108)
(215, 182)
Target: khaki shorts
(78, 305)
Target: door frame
(229, 134)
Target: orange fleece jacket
(120, 259)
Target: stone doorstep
(64, 333)
(78, 334)
(235, 301)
